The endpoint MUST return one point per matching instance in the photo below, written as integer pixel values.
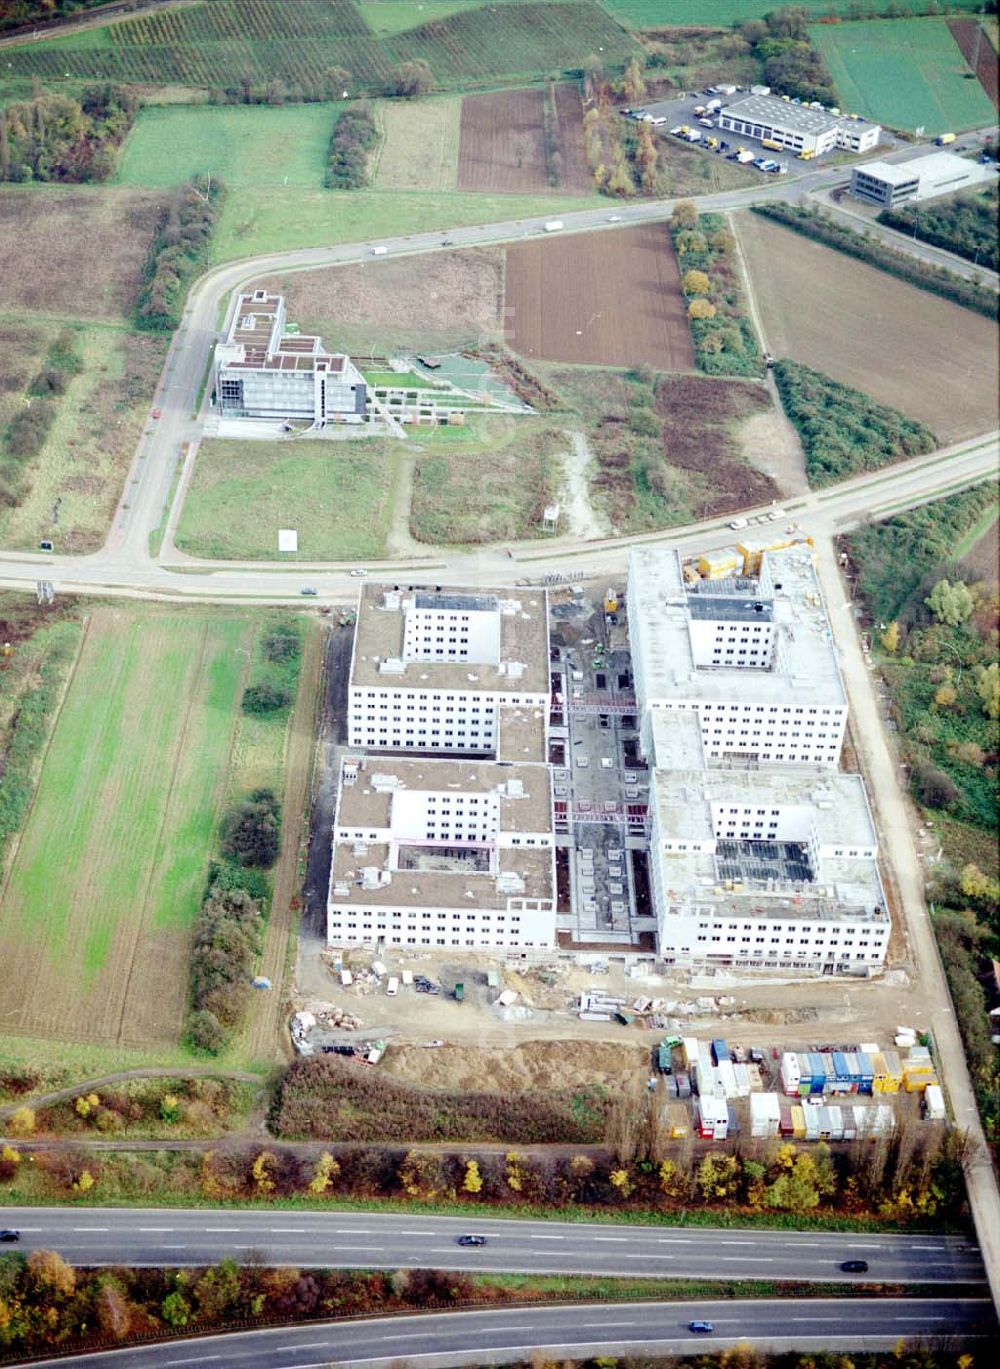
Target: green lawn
(336, 494)
(906, 73)
(94, 921)
(386, 17)
(253, 222)
(247, 146)
(639, 14)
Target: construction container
(916, 1083)
(742, 1074)
(756, 1080)
(866, 1072)
(893, 1071)
(726, 1072)
(784, 1117)
(879, 1073)
(683, 1081)
(798, 1121)
(830, 1072)
(720, 1052)
(790, 1073)
(713, 1119)
(817, 1072)
(670, 1086)
(934, 1103)
(689, 1051)
(721, 564)
(811, 1116)
(765, 1114)
(850, 1126)
(752, 550)
(836, 1122)
(611, 601)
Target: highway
(366, 1240)
(496, 1337)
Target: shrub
(178, 253)
(264, 698)
(933, 787)
(283, 643)
(701, 308)
(207, 1033)
(354, 135)
(251, 832)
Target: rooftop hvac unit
(510, 882)
(384, 783)
(374, 878)
(340, 889)
(392, 666)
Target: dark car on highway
(472, 1240)
(9, 1234)
(855, 1266)
(706, 1327)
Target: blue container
(720, 1051)
(817, 1072)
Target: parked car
(855, 1266)
(705, 1327)
(472, 1240)
(9, 1235)
(357, 572)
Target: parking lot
(681, 113)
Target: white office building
(751, 658)
(443, 853)
(450, 672)
(263, 371)
(766, 870)
(797, 127)
(889, 184)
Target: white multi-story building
(264, 372)
(450, 672)
(937, 173)
(443, 853)
(766, 870)
(797, 127)
(751, 658)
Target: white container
(346, 979)
(392, 988)
(407, 978)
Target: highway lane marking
(308, 1345)
(198, 1359)
(611, 1238)
(677, 1240)
(928, 1247)
(156, 1228)
(287, 1230)
(756, 1259)
(173, 1247)
(90, 1229)
(585, 1325)
(215, 1229)
(547, 1238)
(361, 1247)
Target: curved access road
(380, 1240)
(433, 1339)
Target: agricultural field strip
(147, 856)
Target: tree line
(179, 252)
(54, 137)
(27, 430)
(354, 135)
(966, 225)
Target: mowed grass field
(906, 73)
(243, 145)
(419, 144)
(336, 494)
(96, 914)
(223, 42)
(924, 356)
(648, 14)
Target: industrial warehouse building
(432, 853)
(450, 672)
(264, 372)
(938, 173)
(798, 128)
(751, 657)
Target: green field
(109, 874)
(906, 73)
(248, 146)
(254, 222)
(336, 494)
(640, 14)
(387, 17)
(229, 41)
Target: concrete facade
(797, 127)
(888, 184)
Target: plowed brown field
(605, 298)
(502, 144)
(980, 54)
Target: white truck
(553, 226)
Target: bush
(251, 832)
(264, 698)
(844, 431)
(178, 253)
(227, 940)
(354, 135)
(206, 1032)
(933, 787)
(283, 643)
(966, 225)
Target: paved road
(177, 1236)
(496, 1337)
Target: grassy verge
(337, 495)
(811, 223)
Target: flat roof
(521, 735)
(368, 802)
(892, 174)
(661, 608)
(440, 889)
(524, 641)
(772, 109)
(838, 804)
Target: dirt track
(632, 310)
(964, 33)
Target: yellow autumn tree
(701, 308)
(326, 1172)
(260, 1172)
(21, 1122)
(695, 283)
(890, 637)
(473, 1181)
(621, 1182)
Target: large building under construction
(263, 371)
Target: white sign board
(288, 539)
